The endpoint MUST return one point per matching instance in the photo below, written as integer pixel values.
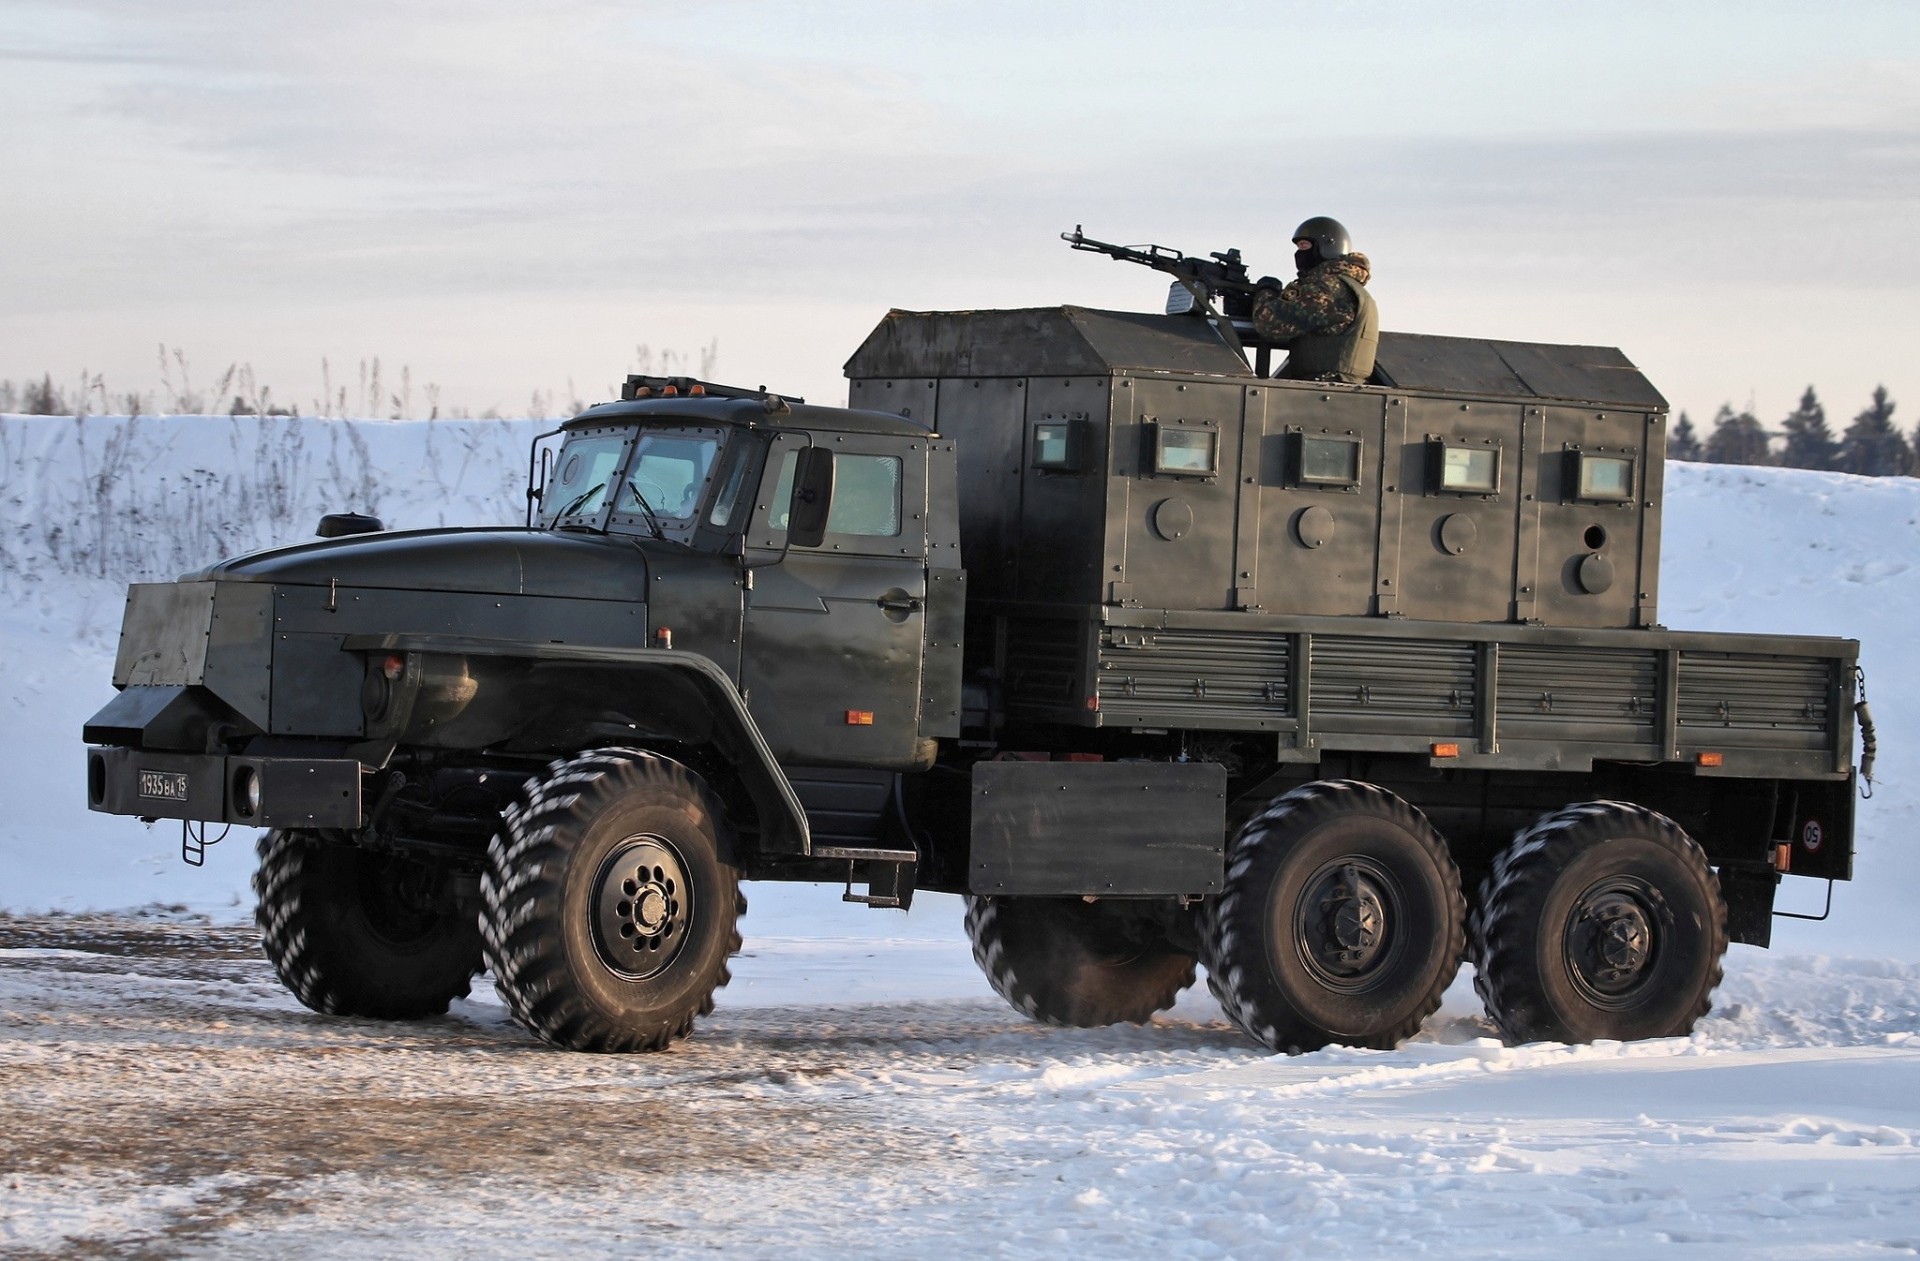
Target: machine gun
(1215, 288)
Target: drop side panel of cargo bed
(1508, 696)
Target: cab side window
(866, 495)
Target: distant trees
(1683, 443)
(1872, 444)
(1809, 443)
(1737, 438)
(33, 398)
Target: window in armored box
(1182, 450)
(1457, 467)
(1325, 461)
(1600, 476)
(1060, 443)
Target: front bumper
(211, 788)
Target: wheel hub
(1356, 920)
(1343, 924)
(641, 907)
(1613, 939)
(400, 899)
(650, 909)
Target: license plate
(164, 785)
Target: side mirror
(812, 497)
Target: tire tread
(521, 893)
(1234, 962)
(1503, 942)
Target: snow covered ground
(164, 1097)
(861, 1090)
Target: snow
(860, 1089)
(921, 1118)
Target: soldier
(1325, 320)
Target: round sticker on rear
(1812, 835)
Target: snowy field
(860, 1089)
(165, 1097)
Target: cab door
(831, 649)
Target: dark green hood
(495, 561)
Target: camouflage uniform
(1315, 303)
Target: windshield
(578, 487)
(669, 472)
(653, 478)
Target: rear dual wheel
(1066, 961)
(1601, 921)
(1341, 920)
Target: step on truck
(1160, 661)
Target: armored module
(1157, 659)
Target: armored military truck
(1158, 660)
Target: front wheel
(610, 902)
(355, 932)
(1601, 921)
(1341, 920)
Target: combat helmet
(1329, 237)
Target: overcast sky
(505, 197)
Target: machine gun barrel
(1222, 271)
(1198, 282)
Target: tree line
(1871, 445)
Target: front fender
(731, 730)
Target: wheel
(1601, 920)
(1065, 961)
(1340, 920)
(356, 932)
(610, 903)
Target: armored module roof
(1075, 341)
(1051, 341)
(1473, 365)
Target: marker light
(1446, 750)
(246, 792)
(859, 718)
(1710, 759)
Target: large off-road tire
(610, 902)
(1340, 920)
(355, 932)
(1065, 961)
(1601, 921)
